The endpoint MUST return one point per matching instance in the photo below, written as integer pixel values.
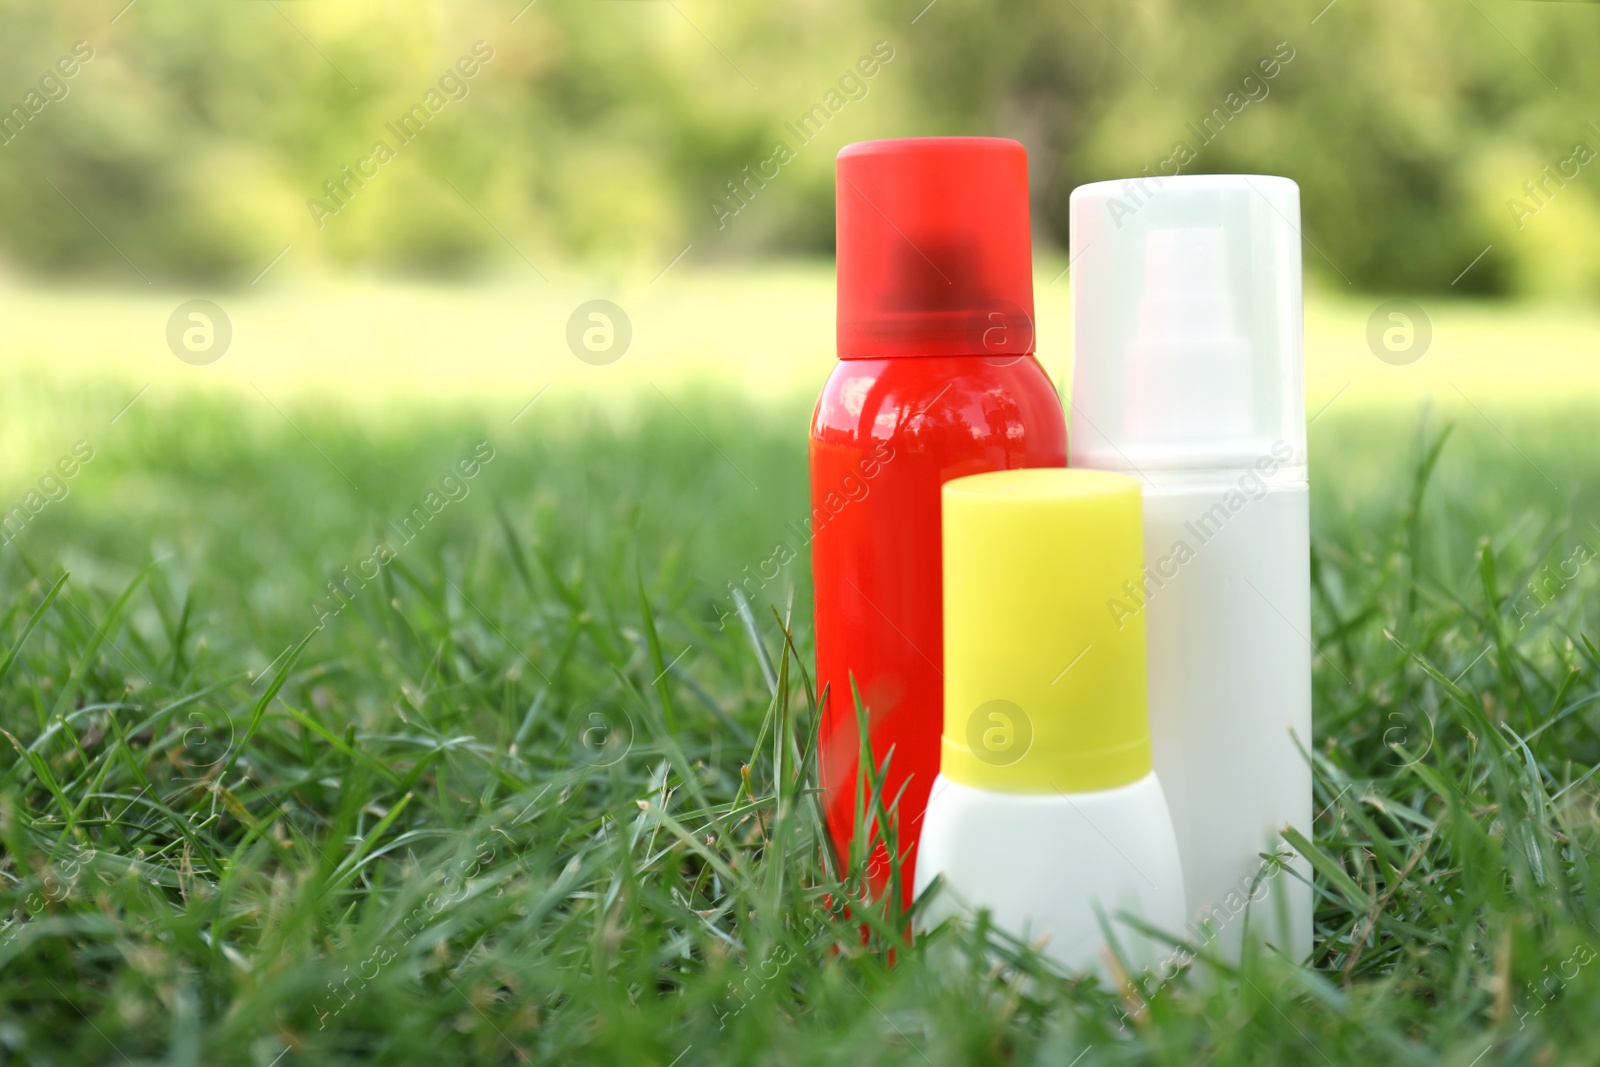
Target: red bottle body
(886, 435)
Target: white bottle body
(1041, 864)
(1228, 624)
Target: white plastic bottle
(1188, 375)
(1046, 812)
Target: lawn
(530, 786)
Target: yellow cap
(1044, 655)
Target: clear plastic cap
(1186, 313)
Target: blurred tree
(193, 142)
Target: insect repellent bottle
(1187, 320)
(936, 379)
(1046, 811)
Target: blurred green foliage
(192, 142)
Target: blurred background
(392, 211)
(366, 187)
(187, 144)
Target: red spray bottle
(936, 379)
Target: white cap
(1186, 318)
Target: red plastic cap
(934, 253)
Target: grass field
(518, 797)
(764, 332)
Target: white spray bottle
(1186, 297)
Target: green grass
(524, 799)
